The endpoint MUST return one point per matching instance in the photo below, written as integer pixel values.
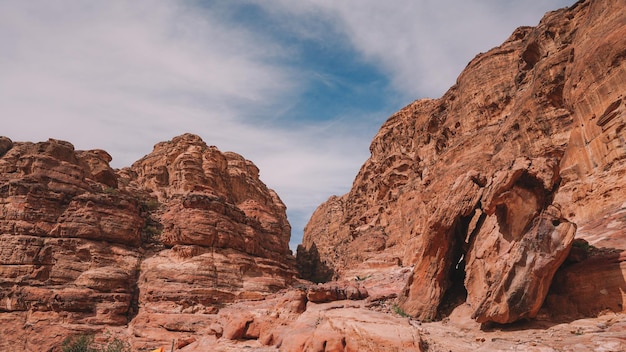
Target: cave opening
(456, 293)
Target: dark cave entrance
(464, 230)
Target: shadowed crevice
(310, 267)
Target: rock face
(593, 278)
(326, 328)
(482, 190)
(67, 240)
(212, 199)
(225, 237)
(468, 207)
(186, 229)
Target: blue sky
(298, 87)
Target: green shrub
(85, 343)
(116, 345)
(78, 343)
(110, 190)
(152, 204)
(151, 233)
(398, 310)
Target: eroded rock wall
(485, 186)
(84, 248)
(68, 242)
(222, 236)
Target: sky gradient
(298, 87)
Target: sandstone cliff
(182, 232)
(483, 189)
(502, 200)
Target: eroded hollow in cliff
(456, 293)
(531, 55)
(516, 208)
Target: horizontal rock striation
(185, 230)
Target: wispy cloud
(422, 45)
(148, 65)
(298, 87)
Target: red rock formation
(593, 279)
(483, 186)
(188, 230)
(476, 196)
(212, 199)
(67, 244)
(225, 237)
(329, 327)
(336, 292)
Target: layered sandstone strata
(477, 195)
(222, 236)
(83, 247)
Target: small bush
(85, 343)
(110, 190)
(152, 204)
(151, 232)
(80, 343)
(116, 345)
(398, 310)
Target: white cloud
(124, 75)
(422, 45)
(76, 66)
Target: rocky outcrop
(482, 190)
(351, 328)
(468, 207)
(336, 292)
(67, 243)
(593, 279)
(289, 322)
(186, 245)
(212, 199)
(224, 236)
(184, 231)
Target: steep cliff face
(185, 230)
(483, 189)
(221, 236)
(67, 240)
(212, 199)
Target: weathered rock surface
(467, 209)
(225, 237)
(212, 199)
(483, 188)
(67, 244)
(287, 322)
(596, 267)
(336, 292)
(350, 328)
(159, 247)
